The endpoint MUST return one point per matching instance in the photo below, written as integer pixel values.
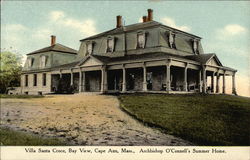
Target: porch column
(144, 87)
(218, 82)
(204, 78)
(224, 83)
(212, 83)
(233, 84)
(124, 79)
(60, 74)
(185, 78)
(80, 81)
(200, 85)
(104, 80)
(71, 78)
(168, 80)
(83, 81)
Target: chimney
(150, 14)
(144, 19)
(118, 21)
(53, 40)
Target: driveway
(81, 119)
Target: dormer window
(43, 61)
(110, 44)
(171, 40)
(30, 62)
(141, 39)
(195, 46)
(89, 47)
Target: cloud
(230, 40)
(171, 22)
(230, 31)
(234, 29)
(42, 33)
(56, 15)
(24, 39)
(15, 27)
(17, 38)
(87, 26)
(230, 49)
(10, 38)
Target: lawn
(215, 120)
(19, 96)
(15, 138)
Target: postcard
(144, 80)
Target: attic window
(110, 44)
(89, 47)
(195, 46)
(141, 39)
(30, 62)
(43, 61)
(171, 40)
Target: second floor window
(89, 48)
(30, 62)
(110, 44)
(141, 39)
(195, 46)
(171, 40)
(43, 61)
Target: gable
(214, 62)
(91, 61)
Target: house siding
(34, 90)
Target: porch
(169, 76)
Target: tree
(10, 70)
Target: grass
(202, 119)
(15, 138)
(19, 96)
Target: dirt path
(82, 120)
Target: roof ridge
(64, 46)
(123, 28)
(52, 48)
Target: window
(44, 79)
(26, 80)
(35, 80)
(195, 46)
(30, 62)
(141, 39)
(43, 61)
(110, 44)
(89, 48)
(171, 40)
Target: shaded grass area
(15, 138)
(201, 119)
(20, 96)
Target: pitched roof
(204, 58)
(135, 57)
(56, 47)
(132, 27)
(102, 59)
(68, 65)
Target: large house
(142, 57)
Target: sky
(223, 25)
